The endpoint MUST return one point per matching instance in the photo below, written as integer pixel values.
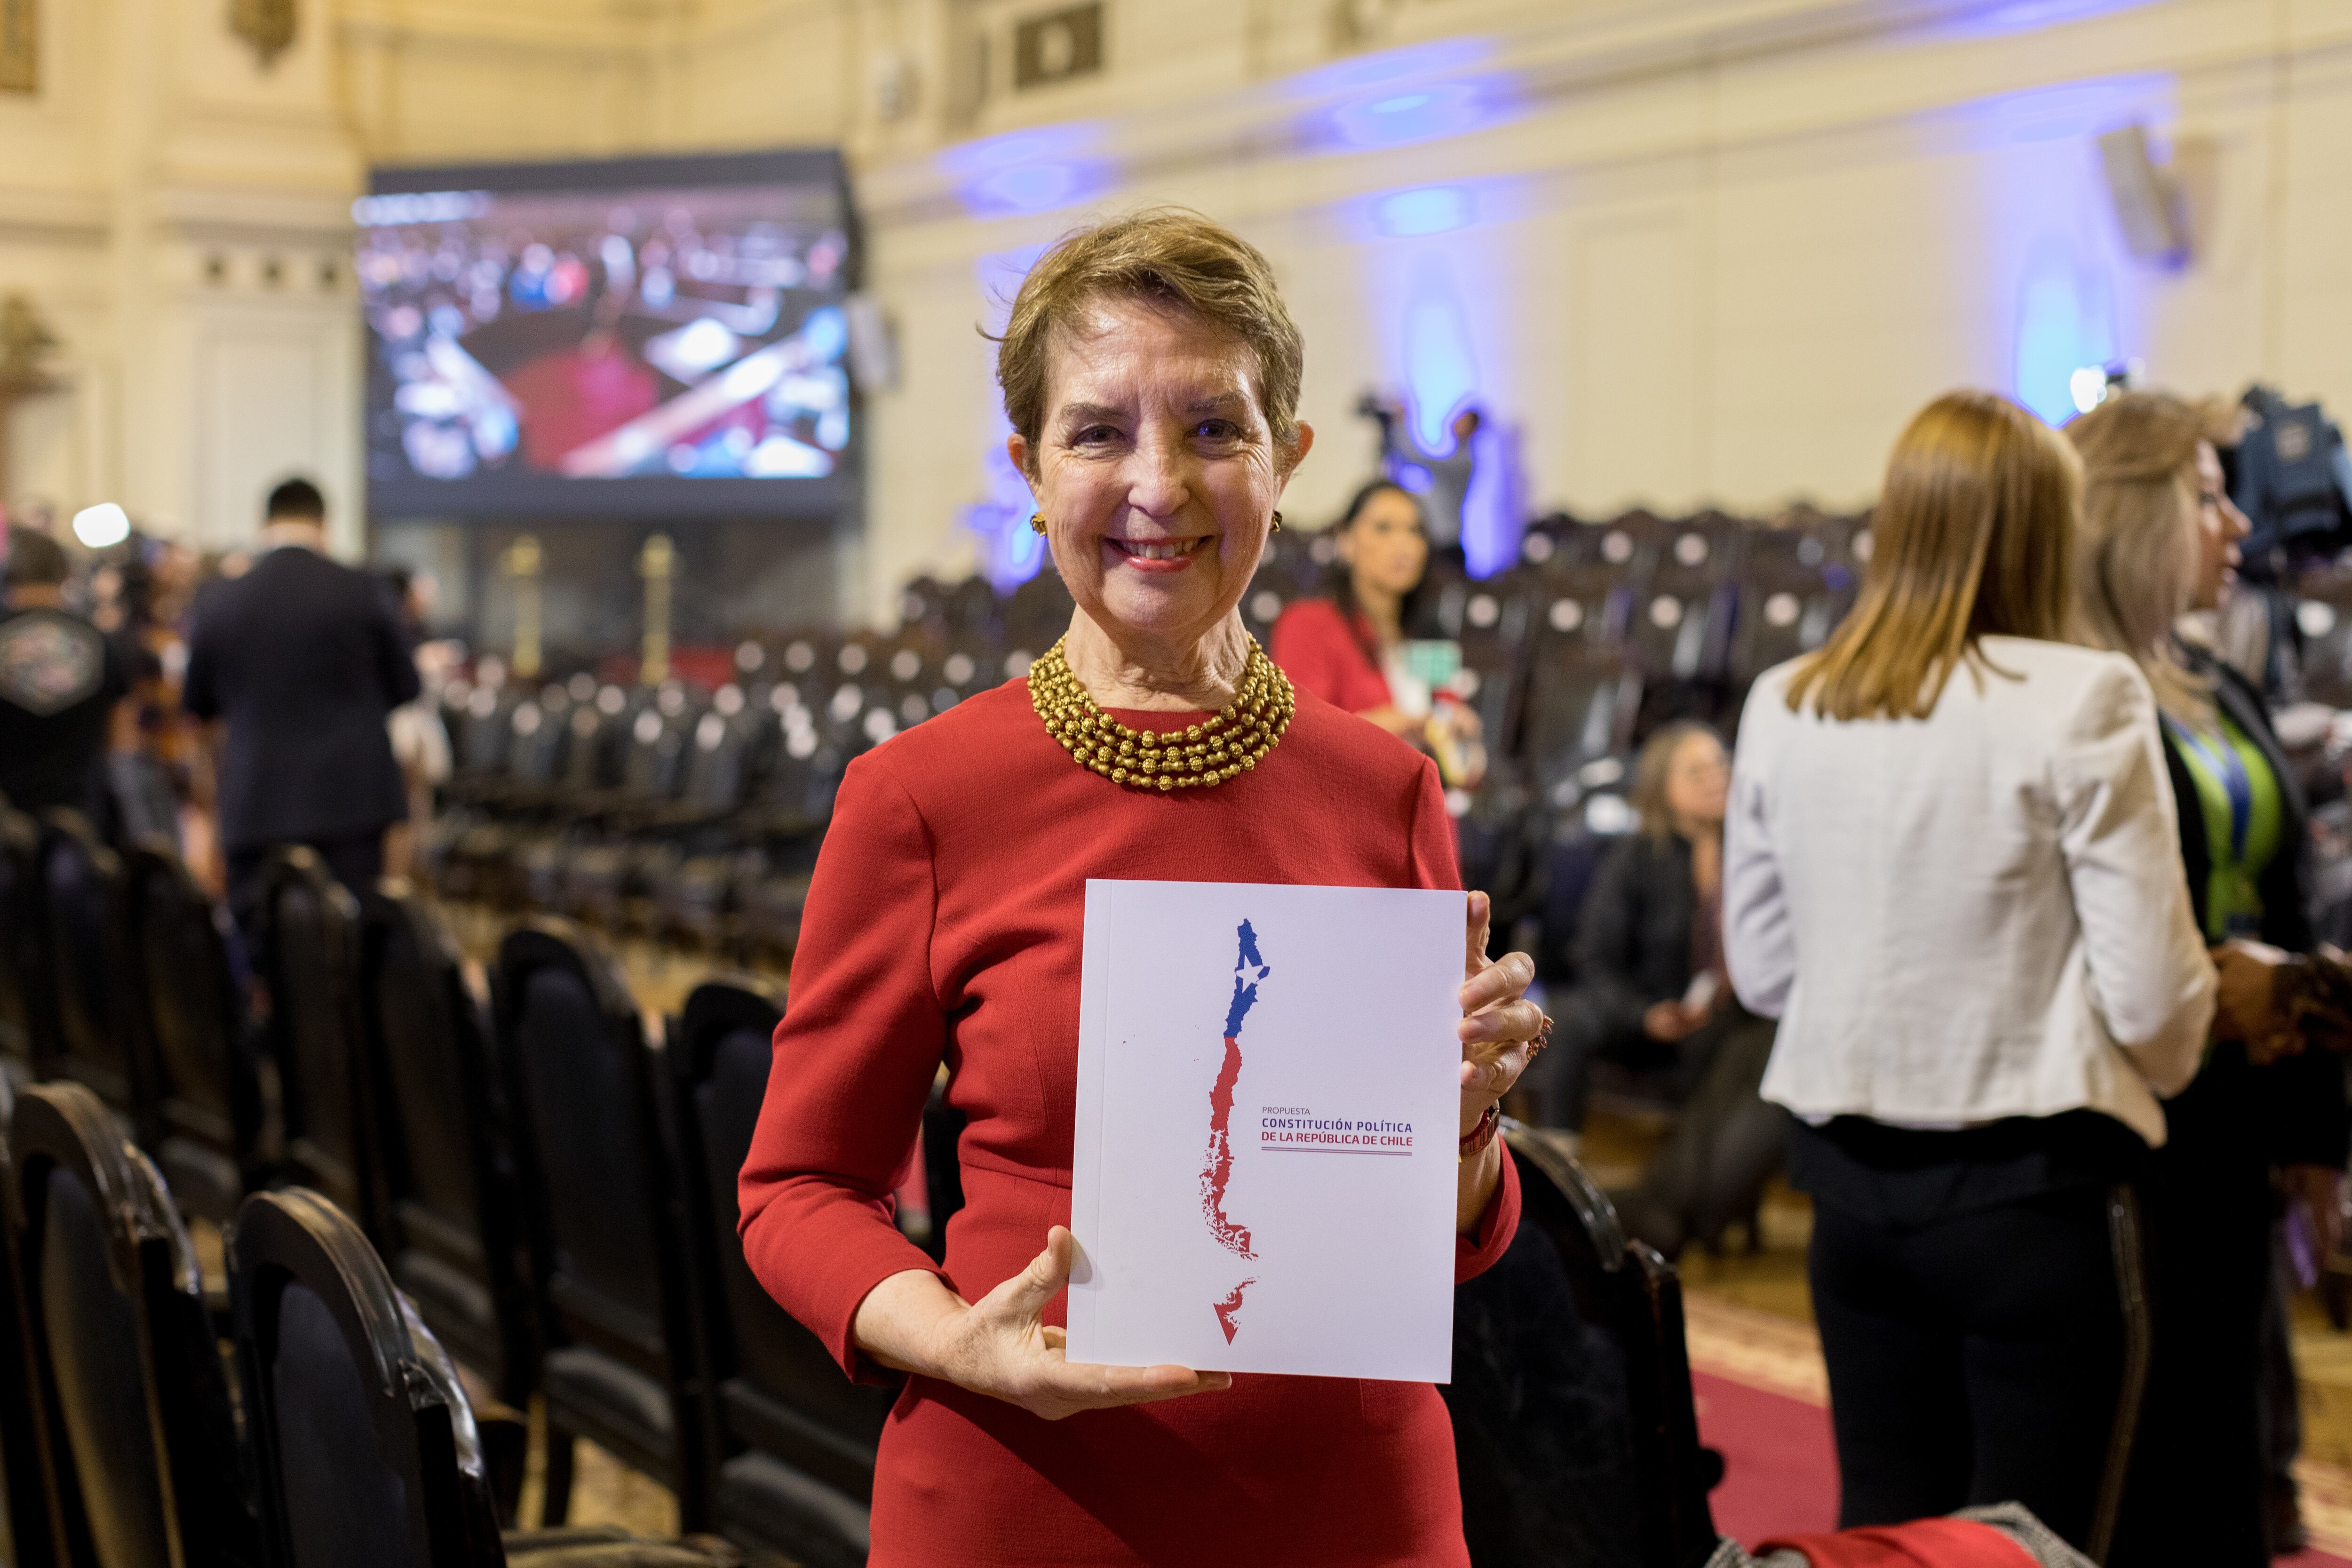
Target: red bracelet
(1474, 1142)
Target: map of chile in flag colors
(1218, 1168)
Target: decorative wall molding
(20, 45)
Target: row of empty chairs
(549, 1181)
(351, 1440)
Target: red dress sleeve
(855, 1057)
(1435, 865)
(1313, 647)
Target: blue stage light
(1431, 209)
(1421, 114)
(1032, 171)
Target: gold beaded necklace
(1197, 756)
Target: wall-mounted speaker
(2146, 197)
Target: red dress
(1313, 645)
(944, 924)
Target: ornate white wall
(1691, 250)
(179, 215)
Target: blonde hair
(1973, 537)
(2137, 557)
(1170, 257)
(1652, 768)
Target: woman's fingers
(1520, 1020)
(1008, 1352)
(1088, 1387)
(1505, 979)
(1049, 1271)
(1027, 1293)
(1481, 916)
(1493, 1076)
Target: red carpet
(1781, 1466)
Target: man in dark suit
(298, 662)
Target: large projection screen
(646, 338)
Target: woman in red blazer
(1151, 372)
(1339, 646)
(1348, 646)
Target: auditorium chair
(367, 1452)
(600, 864)
(793, 1466)
(1498, 619)
(1574, 1423)
(805, 654)
(27, 1465)
(481, 721)
(537, 752)
(132, 1392)
(453, 1222)
(1792, 592)
(502, 810)
(309, 962)
(1292, 568)
(27, 994)
(81, 897)
(1580, 709)
(974, 616)
(1618, 543)
(1680, 631)
(605, 1216)
(197, 1055)
(1580, 607)
(1036, 614)
(666, 867)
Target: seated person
(1348, 646)
(1648, 993)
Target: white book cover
(1268, 1094)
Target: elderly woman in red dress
(1151, 372)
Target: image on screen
(523, 337)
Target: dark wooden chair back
(81, 900)
(198, 1065)
(1574, 1423)
(27, 1466)
(27, 994)
(309, 960)
(795, 1468)
(365, 1446)
(132, 1387)
(453, 1226)
(602, 1200)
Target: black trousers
(2197, 1477)
(1989, 1355)
(356, 860)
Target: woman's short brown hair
(1170, 257)
(1973, 537)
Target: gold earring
(1036, 523)
(1277, 522)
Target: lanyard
(2230, 768)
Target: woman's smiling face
(1155, 467)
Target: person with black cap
(295, 665)
(62, 687)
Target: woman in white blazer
(1951, 872)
